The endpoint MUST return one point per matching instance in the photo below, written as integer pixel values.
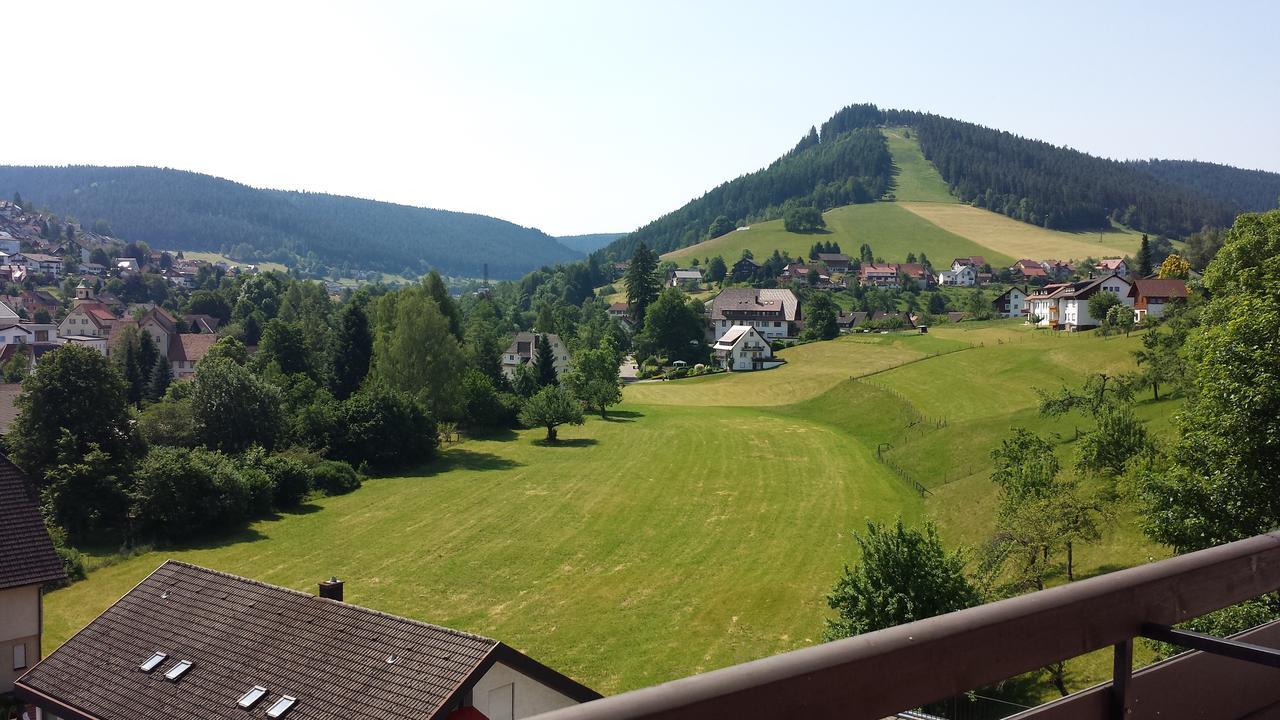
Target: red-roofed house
(1029, 269)
(878, 275)
(1114, 266)
(186, 350)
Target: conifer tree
(545, 362)
(352, 349)
(159, 382)
(642, 281)
(1144, 257)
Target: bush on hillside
(334, 477)
(384, 428)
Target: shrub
(334, 477)
(384, 428)
(168, 423)
(289, 479)
(181, 493)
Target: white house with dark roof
(524, 350)
(775, 314)
(744, 348)
(188, 643)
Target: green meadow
(700, 526)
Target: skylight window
(281, 706)
(248, 699)
(176, 671)
(151, 662)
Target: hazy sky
(599, 116)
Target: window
(281, 706)
(177, 671)
(151, 662)
(254, 695)
(19, 656)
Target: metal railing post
(1121, 673)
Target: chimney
(331, 589)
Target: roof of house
(877, 268)
(688, 274)
(8, 404)
(41, 257)
(619, 307)
(205, 323)
(1008, 292)
(1084, 288)
(1110, 263)
(339, 661)
(913, 270)
(956, 317)
(978, 260)
(850, 319)
(1158, 287)
(833, 257)
(26, 551)
(732, 336)
(753, 300)
(525, 342)
(191, 347)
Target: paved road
(628, 370)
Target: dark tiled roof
(26, 552)
(331, 656)
(1158, 287)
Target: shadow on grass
(462, 459)
(570, 443)
(1100, 570)
(623, 416)
(502, 434)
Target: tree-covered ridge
(1253, 190)
(1057, 187)
(853, 166)
(174, 209)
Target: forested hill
(588, 243)
(1255, 190)
(173, 209)
(1029, 180)
(838, 168)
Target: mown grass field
(701, 526)
(1018, 239)
(917, 179)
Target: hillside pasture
(915, 179)
(1012, 238)
(891, 231)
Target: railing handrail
(877, 674)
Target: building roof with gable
(1172, 288)
(750, 300)
(26, 550)
(1111, 263)
(190, 347)
(338, 660)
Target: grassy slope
(917, 179)
(213, 257)
(891, 231)
(625, 567)
(1021, 240)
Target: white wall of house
(770, 329)
(504, 693)
(19, 626)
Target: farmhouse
(188, 642)
(774, 313)
(878, 275)
(27, 561)
(743, 348)
(1029, 270)
(524, 349)
(835, 262)
(1013, 303)
(690, 279)
(847, 321)
(744, 269)
(1151, 296)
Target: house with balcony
(1065, 306)
(1012, 303)
(744, 348)
(774, 313)
(1152, 295)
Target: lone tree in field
(595, 377)
(904, 576)
(803, 218)
(551, 407)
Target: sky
(580, 117)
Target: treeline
(851, 166)
(1057, 187)
(302, 394)
(1252, 190)
(322, 234)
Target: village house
(27, 561)
(1057, 269)
(88, 319)
(188, 642)
(847, 321)
(974, 261)
(523, 350)
(798, 274)
(1114, 266)
(689, 279)
(774, 313)
(38, 263)
(743, 348)
(201, 323)
(1029, 270)
(743, 270)
(1066, 305)
(878, 275)
(1151, 296)
(962, 276)
(9, 244)
(186, 350)
(33, 301)
(917, 273)
(835, 262)
(125, 266)
(1012, 303)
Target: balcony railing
(889, 671)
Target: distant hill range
(846, 161)
(174, 209)
(588, 243)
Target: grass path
(917, 179)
